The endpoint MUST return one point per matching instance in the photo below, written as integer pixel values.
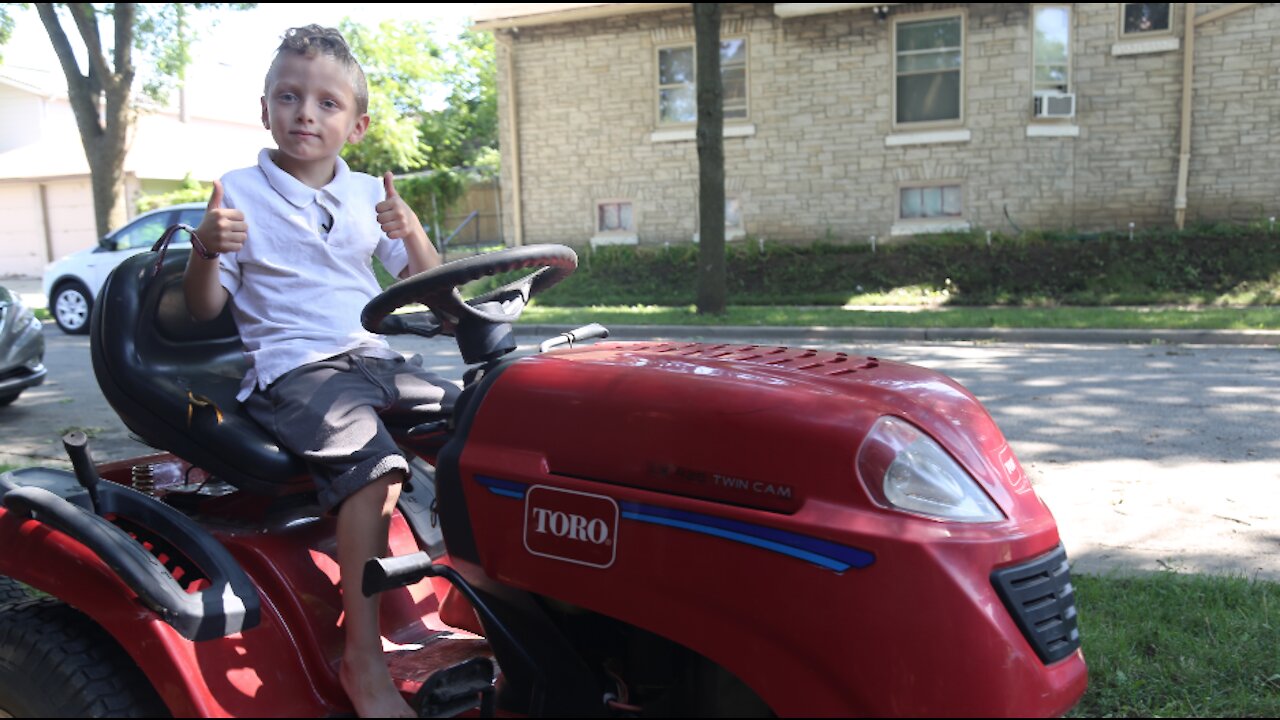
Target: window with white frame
(1145, 18)
(931, 202)
(677, 82)
(1052, 48)
(928, 69)
(614, 216)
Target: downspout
(48, 228)
(1188, 77)
(517, 222)
(1184, 146)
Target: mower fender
(206, 679)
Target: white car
(71, 283)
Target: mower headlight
(905, 469)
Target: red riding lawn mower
(594, 529)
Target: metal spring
(144, 478)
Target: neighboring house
(45, 197)
(850, 120)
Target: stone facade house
(851, 120)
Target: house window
(614, 217)
(732, 215)
(1142, 18)
(1052, 48)
(932, 202)
(733, 227)
(677, 82)
(928, 62)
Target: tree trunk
(100, 101)
(710, 133)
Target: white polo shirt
(305, 271)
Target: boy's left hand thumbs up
(394, 215)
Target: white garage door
(22, 246)
(71, 216)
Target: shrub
(1034, 269)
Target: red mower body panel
(711, 494)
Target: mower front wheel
(56, 662)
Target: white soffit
(516, 15)
(789, 10)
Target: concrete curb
(869, 334)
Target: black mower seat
(173, 381)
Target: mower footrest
(458, 689)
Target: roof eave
(593, 12)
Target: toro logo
(573, 526)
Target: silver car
(21, 348)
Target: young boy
(289, 242)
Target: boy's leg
(363, 522)
(324, 412)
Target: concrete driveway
(1151, 457)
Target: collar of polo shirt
(299, 194)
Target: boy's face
(310, 108)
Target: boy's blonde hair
(315, 40)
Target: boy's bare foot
(370, 689)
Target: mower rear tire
(56, 662)
(12, 591)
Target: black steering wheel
(437, 288)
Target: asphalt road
(1151, 457)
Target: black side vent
(1039, 596)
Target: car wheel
(8, 399)
(71, 305)
(56, 662)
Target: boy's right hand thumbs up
(215, 200)
(222, 229)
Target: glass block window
(732, 213)
(614, 217)
(930, 202)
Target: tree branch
(80, 89)
(124, 18)
(87, 24)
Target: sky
(231, 59)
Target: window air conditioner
(1055, 105)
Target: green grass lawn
(1169, 645)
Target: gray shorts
(328, 413)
